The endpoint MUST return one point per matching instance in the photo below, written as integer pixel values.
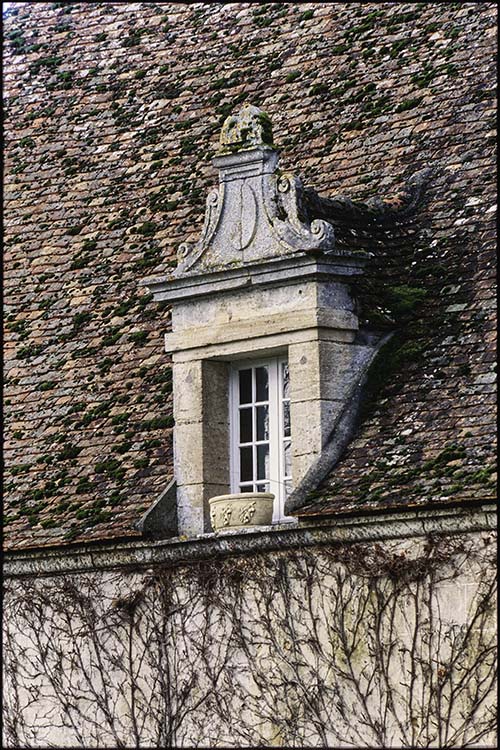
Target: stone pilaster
(201, 440)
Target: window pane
(286, 419)
(246, 464)
(286, 379)
(261, 376)
(263, 397)
(262, 423)
(246, 425)
(263, 462)
(288, 459)
(245, 386)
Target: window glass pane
(288, 459)
(285, 374)
(246, 464)
(263, 397)
(262, 423)
(261, 377)
(263, 462)
(245, 377)
(286, 419)
(246, 425)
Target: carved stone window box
(241, 510)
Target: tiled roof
(112, 114)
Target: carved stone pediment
(255, 213)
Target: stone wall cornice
(177, 551)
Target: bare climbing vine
(352, 645)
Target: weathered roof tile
(111, 125)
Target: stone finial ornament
(251, 127)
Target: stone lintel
(279, 272)
(264, 346)
(309, 321)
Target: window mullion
(280, 462)
(274, 442)
(234, 432)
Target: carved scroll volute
(290, 222)
(183, 252)
(289, 196)
(188, 254)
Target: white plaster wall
(278, 649)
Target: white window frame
(277, 438)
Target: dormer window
(261, 455)
(264, 343)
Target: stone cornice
(176, 551)
(289, 269)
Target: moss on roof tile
(80, 140)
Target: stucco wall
(378, 644)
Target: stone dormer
(264, 293)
